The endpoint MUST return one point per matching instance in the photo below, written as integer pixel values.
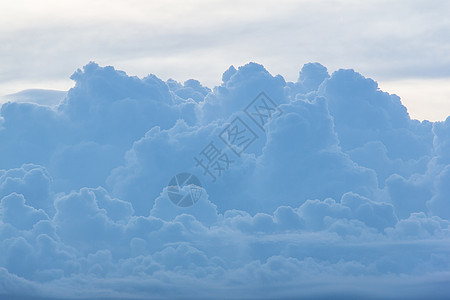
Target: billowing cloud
(324, 182)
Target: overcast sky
(404, 45)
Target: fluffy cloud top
(337, 188)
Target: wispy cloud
(382, 39)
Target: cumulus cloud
(333, 184)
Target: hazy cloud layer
(341, 194)
(184, 39)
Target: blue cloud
(339, 188)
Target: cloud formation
(338, 188)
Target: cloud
(439, 203)
(31, 181)
(337, 188)
(14, 285)
(14, 211)
(38, 96)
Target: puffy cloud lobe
(109, 107)
(362, 113)
(31, 181)
(106, 111)
(238, 90)
(302, 159)
(81, 223)
(373, 214)
(439, 204)
(14, 211)
(342, 186)
(154, 160)
(310, 78)
(419, 225)
(85, 164)
(204, 210)
(301, 150)
(191, 89)
(374, 155)
(15, 285)
(441, 140)
(409, 195)
(116, 209)
(29, 133)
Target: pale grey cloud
(386, 40)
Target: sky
(403, 45)
(272, 176)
